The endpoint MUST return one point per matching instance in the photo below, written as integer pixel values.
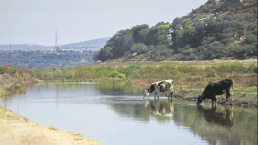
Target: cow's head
(199, 100)
(146, 93)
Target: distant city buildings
(216, 1)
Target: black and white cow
(214, 89)
(161, 86)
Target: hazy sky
(35, 21)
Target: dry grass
(16, 129)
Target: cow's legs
(227, 94)
(167, 94)
(171, 90)
(214, 100)
(158, 94)
(171, 94)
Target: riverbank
(239, 99)
(15, 84)
(16, 129)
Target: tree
(215, 50)
(186, 22)
(143, 35)
(177, 39)
(189, 36)
(175, 22)
(140, 48)
(250, 39)
(223, 32)
(137, 35)
(96, 55)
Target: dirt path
(17, 130)
(204, 62)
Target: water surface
(116, 114)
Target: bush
(113, 74)
(188, 52)
(121, 76)
(175, 71)
(212, 73)
(127, 72)
(242, 69)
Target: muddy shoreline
(239, 99)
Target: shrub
(121, 76)
(188, 52)
(212, 73)
(175, 71)
(120, 68)
(242, 69)
(127, 72)
(113, 74)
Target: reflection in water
(160, 108)
(57, 94)
(218, 118)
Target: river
(115, 113)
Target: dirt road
(204, 62)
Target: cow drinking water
(161, 86)
(214, 89)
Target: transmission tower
(56, 49)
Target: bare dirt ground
(204, 62)
(18, 130)
(239, 99)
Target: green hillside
(215, 30)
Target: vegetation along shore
(190, 78)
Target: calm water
(117, 114)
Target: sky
(36, 21)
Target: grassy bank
(14, 83)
